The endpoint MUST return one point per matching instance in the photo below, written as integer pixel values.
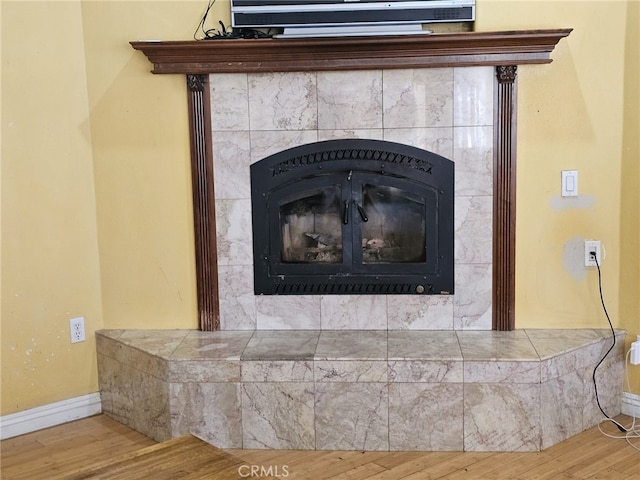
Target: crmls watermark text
(257, 471)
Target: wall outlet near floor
(592, 246)
(76, 327)
(635, 353)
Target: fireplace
(353, 216)
(302, 91)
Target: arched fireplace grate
(353, 216)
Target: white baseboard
(631, 404)
(49, 415)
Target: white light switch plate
(569, 183)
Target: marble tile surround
(444, 110)
(429, 390)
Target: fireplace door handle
(363, 214)
(345, 212)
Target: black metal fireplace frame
(426, 173)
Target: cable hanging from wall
(631, 431)
(202, 33)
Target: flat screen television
(348, 17)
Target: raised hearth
(523, 390)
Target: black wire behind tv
(348, 17)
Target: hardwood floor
(60, 452)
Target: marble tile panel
(473, 229)
(282, 312)
(370, 133)
(581, 335)
(561, 408)
(349, 99)
(109, 346)
(609, 382)
(229, 101)
(353, 312)
(210, 411)
(425, 416)
(604, 348)
(472, 300)
(220, 345)
(203, 370)
(438, 140)
(549, 343)
(238, 309)
(114, 334)
(352, 416)
(518, 429)
(473, 155)
(233, 226)
(424, 345)
(606, 333)
(116, 389)
(559, 365)
(473, 95)
(350, 371)
(278, 415)
(418, 97)
(281, 345)
(425, 371)
(491, 345)
(151, 409)
(502, 372)
(129, 354)
(420, 312)
(265, 143)
(283, 101)
(232, 151)
(277, 371)
(154, 342)
(352, 345)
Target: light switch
(569, 183)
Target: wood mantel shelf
(358, 53)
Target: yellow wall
(50, 265)
(96, 199)
(577, 113)
(139, 130)
(630, 187)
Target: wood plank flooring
(83, 448)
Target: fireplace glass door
(311, 226)
(393, 225)
(353, 222)
(352, 216)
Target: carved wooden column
(504, 198)
(204, 211)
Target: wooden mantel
(348, 53)
(502, 50)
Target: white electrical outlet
(592, 246)
(635, 353)
(76, 327)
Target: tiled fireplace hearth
(523, 390)
(365, 372)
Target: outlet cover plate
(76, 329)
(590, 246)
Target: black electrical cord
(200, 26)
(613, 333)
(224, 32)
